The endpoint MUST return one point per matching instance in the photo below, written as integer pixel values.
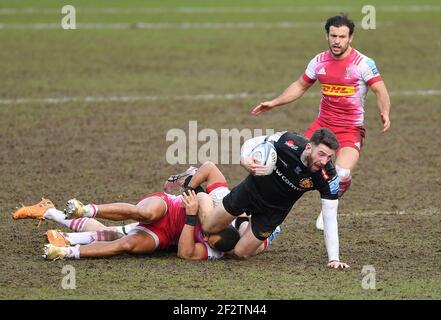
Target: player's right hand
(190, 202)
(337, 265)
(253, 167)
(262, 107)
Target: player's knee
(148, 214)
(241, 252)
(209, 164)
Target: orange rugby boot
(33, 212)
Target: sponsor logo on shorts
(306, 183)
(335, 90)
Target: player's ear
(308, 146)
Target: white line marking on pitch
(197, 97)
(427, 211)
(231, 10)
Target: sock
(124, 230)
(77, 224)
(92, 236)
(91, 210)
(56, 216)
(73, 252)
(272, 236)
(81, 237)
(107, 235)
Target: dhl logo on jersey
(335, 90)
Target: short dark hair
(338, 21)
(228, 239)
(325, 136)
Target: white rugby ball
(265, 153)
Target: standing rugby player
(345, 75)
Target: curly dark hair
(325, 136)
(338, 21)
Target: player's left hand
(386, 122)
(250, 164)
(190, 202)
(337, 265)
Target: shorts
(161, 230)
(352, 137)
(265, 218)
(218, 194)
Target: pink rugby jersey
(343, 86)
(211, 253)
(177, 222)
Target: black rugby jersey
(291, 178)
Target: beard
(313, 167)
(342, 50)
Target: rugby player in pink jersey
(345, 76)
(165, 230)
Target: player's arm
(292, 93)
(249, 162)
(329, 211)
(187, 248)
(329, 202)
(383, 103)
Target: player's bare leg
(136, 243)
(217, 220)
(205, 206)
(345, 162)
(248, 245)
(147, 211)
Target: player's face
(338, 40)
(319, 157)
(212, 239)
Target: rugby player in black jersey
(302, 165)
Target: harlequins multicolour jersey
(291, 178)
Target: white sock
(73, 252)
(91, 210)
(126, 228)
(342, 172)
(57, 216)
(81, 237)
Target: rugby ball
(265, 153)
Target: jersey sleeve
(329, 183)
(369, 71)
(309, 75)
